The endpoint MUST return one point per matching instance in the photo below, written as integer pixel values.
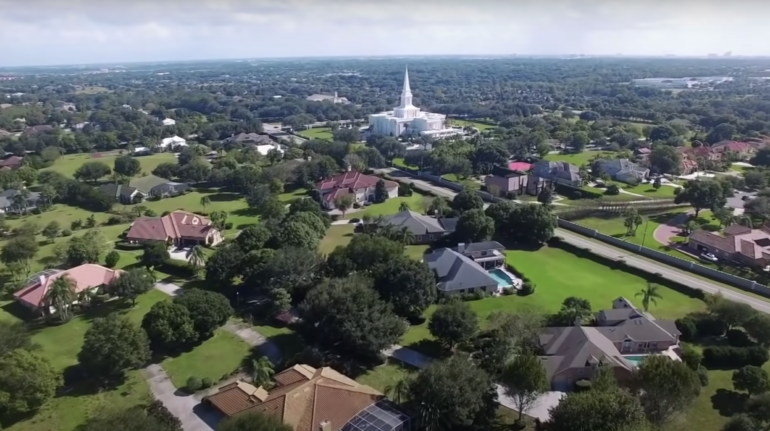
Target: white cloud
(56, 32)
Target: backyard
(60, 345)
(341, 235)
(466, 123)
(559, 274)
(322, 133)
(67, 165)
(215, 358)
(576, 159)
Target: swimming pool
(503, 280)
(635, 359)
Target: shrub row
(195, 384)
(734, 357)
(178, 268)
(700, 325)
(128, 246)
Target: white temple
(408, 119)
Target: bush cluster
(734, 357)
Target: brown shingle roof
(178, 224)
(309, 397)
(713, 240)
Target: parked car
(708, 256)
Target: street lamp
(646, 223)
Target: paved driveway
(188, 408)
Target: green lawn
(390, 206)
(399, 163)
(288, 342)
(741, 169)
(644, 234)
(386, 375)
(60, 344)
(341, 235)
(559, 274)
(465, 123)
(324, 133)
(577, 159)
(215, 358)
(68, 164)
(647, 190)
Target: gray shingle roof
(420, 224)
(639, 329)
(578, 347)
(455, 271)
(481, 246)
(6, 197)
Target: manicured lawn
(215, 358)
(645, 232)
(386, 375)
(68, 164)
(559, 274)
(288, 342)
(664, 192)
(60, 345)
(577, 158)
(390, 206)
(341, 235)
(740, 168)
(324, 133)
(399, 163)
(465, 123)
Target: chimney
(461, 247)
(578, 322)
(325, 426)
(348, 167)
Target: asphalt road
(611, 252)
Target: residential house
(425, 229)
(458, 274)
(180, 228)
(265, 149)
(9, 204)
(168, 122)
(553, 173)
(250, 139)
(34, 130)
(623, 334)
(172, 143)
(487, 254)
(86, 277)
(124, 194)
(313, 399)
(624, 170)
(737, 243)
(743, 150)
(157, 187)
(502, 181)
(360, 186)
(11, 163)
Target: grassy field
(215, 358)
(465, 123)
(323, 133)
(60, 345)
(577, 159)
(68, 164)
(559, 274)
(341, 235)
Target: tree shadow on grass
(727, 402)
(224, 197)
(78, 383)
(18, 311)
(245, 212)
(430, 348)
(104, 309)
(243, 226)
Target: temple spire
(407, 90)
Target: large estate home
(314, 399)
(34, 295)
(739, 243)
(12, 201)
(471, 268)
(624, 170)
(179, 228)
(425, 229)
(502, 181)
(353, 183)
(623, 335)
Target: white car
(708, 256)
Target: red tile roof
(733, 146)
(520, 166)
(11, 162)
(178, 224)
(342, 184)
(85, 277)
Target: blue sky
(43, 32)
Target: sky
(54, 32)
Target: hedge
(727, 357)
(128, 246)
(176, 267)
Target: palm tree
(262, 371)
(197, 258)
(403, 207)
(649, 294)
(61, 295)
(399, 392)
(405, 236)
(205, 201)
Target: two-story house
(621, 339)
(360, 186)
(487, 254)
(554, 173)
(624, 170)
